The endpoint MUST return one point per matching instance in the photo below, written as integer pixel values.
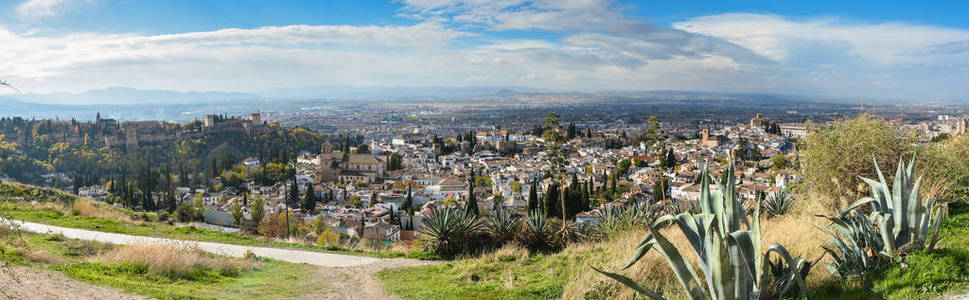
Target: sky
(848, 49)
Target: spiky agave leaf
(502, 224)
(778, 203)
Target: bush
(163, 216)
(184, 213)
(836, 156)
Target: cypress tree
(533, 197)
(551, 205)
(293, 194)
(409, 203)
(309, 200)
(472, 205)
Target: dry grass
(651, 271)
(86, 207)
(42, 256)
(175, 261)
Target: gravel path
(294, 256)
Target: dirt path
(359, 282)
(32, 283)
(348, 276)
(294, 256)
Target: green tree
(472, 205)
(556, 152)
(237, 216)
(257, 210)
(655, 136)
(516, 187)
(199, 208)
(533, 196)
(293, 194)
(623, 167)
(309, 199)
(780, 162)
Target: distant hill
(124, 95)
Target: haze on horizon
(871, 49)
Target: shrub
(184, 212)
(835, 156)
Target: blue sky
(877, 49)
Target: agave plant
(616, 219)
(778, 203)
(450, 229)
(854, 245)
(536, 235)
(676, 207)
(905, 222)
(725, 242)
(779, 282)
(502, 224)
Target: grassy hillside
(512, 273)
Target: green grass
(30, 213)
(955, 228)
(495, 276)
(270, 280)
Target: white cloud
(33, 9)
(784, 39)
(600, 48)
(834, 56)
